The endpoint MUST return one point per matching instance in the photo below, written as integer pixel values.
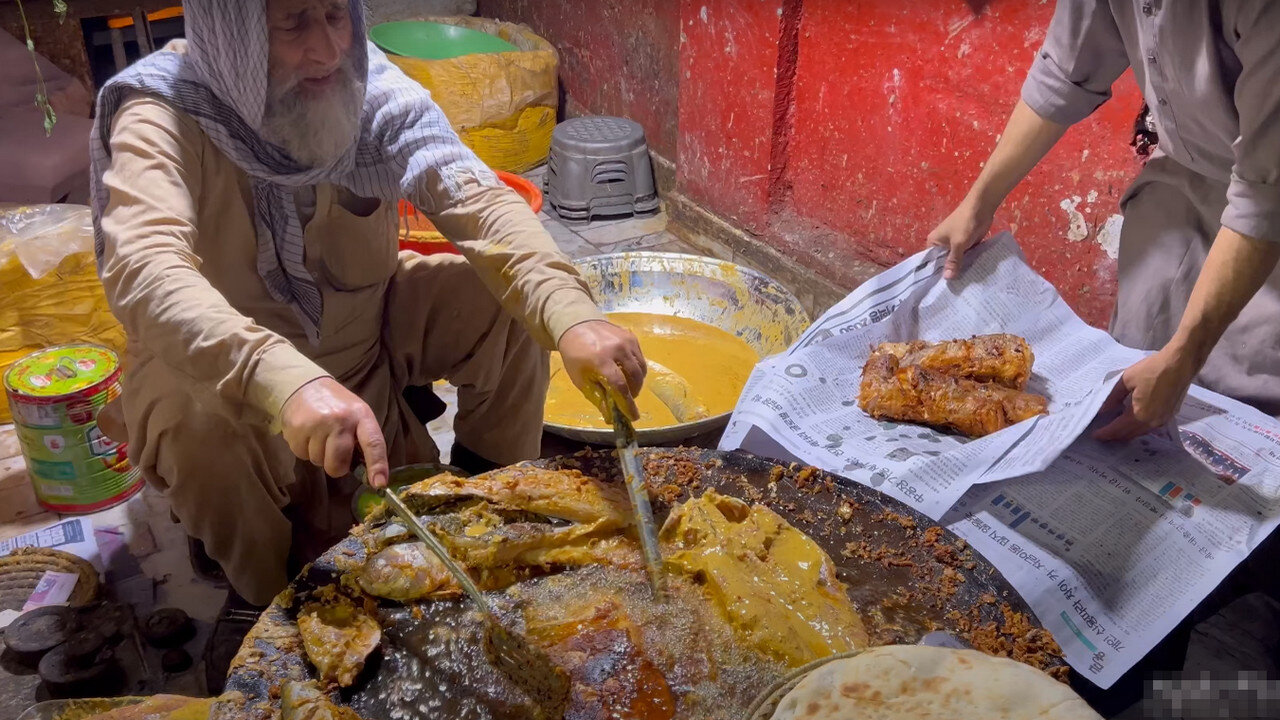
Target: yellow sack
(516, 146)
(503, 105)
(49, 288)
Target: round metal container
(739, 300)
(55, 395)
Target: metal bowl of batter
(738, 300)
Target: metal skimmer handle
(633, 473)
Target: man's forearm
(1236, 268)
(1027, 138)
(519, 262)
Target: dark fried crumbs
(907, 522)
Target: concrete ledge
(714, 236)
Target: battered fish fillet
(503, 527)
(564, 494)
(674, 392)
(338, 637)
(910, 393)
(305, 701)
(1002, 358)
(404, 572)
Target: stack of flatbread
(901, 682)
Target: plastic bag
(503, 105)
(49, 288)
(41, 236)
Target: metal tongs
(624, 436)
(510, 652)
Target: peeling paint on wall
(1109, 236)
(1078, 228)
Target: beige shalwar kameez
(212, 357)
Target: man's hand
(961, 230)
(324, 422)
(1151, 391)
(1026, 139)
(600, 356)
(1233, 272)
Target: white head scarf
(406, 148)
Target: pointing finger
(374, 447)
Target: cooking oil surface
(629, 656)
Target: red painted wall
(841, 131)
(617, 57)
(897, 105)
(728, 62)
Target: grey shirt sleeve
(1253, 197)
(1082, 56)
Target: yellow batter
(695, 367)
(771, 582)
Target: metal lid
(62, 370)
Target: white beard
(316, 131)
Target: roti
(897, 682)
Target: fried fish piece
(338, 636)
(563, 494)
(503, 526)
(405, 572)
(305, 701)
(409, 571)
(891, 390)
(1001, 358)
(674, 392)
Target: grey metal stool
(599, 167)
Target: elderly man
(1201, 238)
(245, 189)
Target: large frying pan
(905, 575)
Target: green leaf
(60, 7)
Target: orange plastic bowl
(419, 235)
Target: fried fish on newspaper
(1002, 359)
(911, 393)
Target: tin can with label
(55, 395)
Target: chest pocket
(358, 244)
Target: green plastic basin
(434, 41)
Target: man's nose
(325, 44)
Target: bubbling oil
(433, 664)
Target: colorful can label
(55, 396)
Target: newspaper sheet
(1111, 545)
(73, 535)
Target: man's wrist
(280, 372)
(1190, 347)
(981, 201)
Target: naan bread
(912, 682)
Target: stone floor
(159, 544)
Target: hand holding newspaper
(1111, 545)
